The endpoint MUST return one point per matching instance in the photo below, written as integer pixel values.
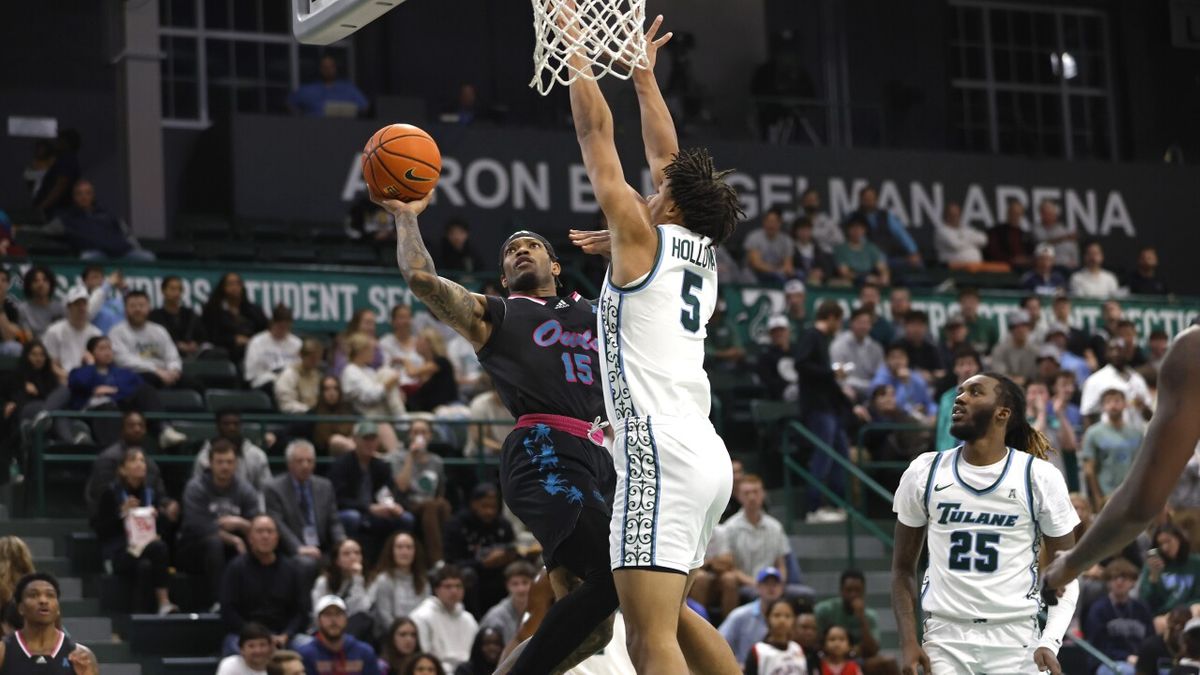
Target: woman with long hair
(362, 322)
(230, 319)
(372, 392)
(425, 664)
(437, 387)
(777, 652)
(40, 308)
(1171, 575)
(400, 580)
(400, 349)
(343, 577)
(335, 438)
(485, 653)
(15, 562)
(401, 645)
(35, 379)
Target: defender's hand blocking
(397, 207)
(1057, 575)
(596, 242)
(1046, 661)
(653, 44)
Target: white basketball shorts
(960, 648)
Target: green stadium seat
(212, 373)
(181, 400)
(196, 432)
(769, 417)
(243, 401)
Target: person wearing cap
(769, 250)
(1047, 363)
(1092, 280)
(1109, 447)
(1119, 375)
(849, 610)
(365, 491)
(747, 624)
(66, 339)
(795, 297)
(776, 367)
(262, 586)
(1016, 355)
(268, 353)
(812, 262)
(858, 259)
(1117, 623)
(856, 356)
(334, 650)
(1044, 278)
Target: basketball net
(606, 34)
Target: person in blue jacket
(334, 646)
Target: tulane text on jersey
(952, 513)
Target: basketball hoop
(606, 33)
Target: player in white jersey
(674, 476)
(985, 508)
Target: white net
(607, 34)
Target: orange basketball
(401, 162)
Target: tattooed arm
(457, 307)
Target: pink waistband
(591, 431)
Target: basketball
(401, 162)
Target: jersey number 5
(988, 557)
(690, 316)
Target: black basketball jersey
(542, 355)
(18, 661)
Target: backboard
(321, 22)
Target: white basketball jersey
(652, 332)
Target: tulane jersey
(652, 332)
(984, 526)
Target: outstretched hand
(596, 242)
(654, 43)
(397, 207)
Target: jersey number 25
(987, 558)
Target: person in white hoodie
(66, 339)
(143, 346)
(271, 351)
(446, 629)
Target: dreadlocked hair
(709, 205)
(1019, 433)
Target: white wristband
(1058, 618)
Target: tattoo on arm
(450, 302)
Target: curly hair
(709, 204)
(1019, 433)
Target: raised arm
(454, 305)
(658, 129)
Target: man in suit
(305, 508)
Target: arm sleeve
(901, 233)
(909, 503)
(1056, 517)
(1058, 617)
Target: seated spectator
(826, 231)
(1171, 575)
(747, 624)
(1016, 356)
(66, 339)
(343, 577)
(888, 234)
(899, 305)
(958, 245)
(36, 386)
(776, 367)
(954, 338)
(17, 562)
(811, 262)
(1044, 278)
(439, 387)
(488, 439)
(40, 308)
(485, 653)
(464, 361)
(1117, 375)
(333, 438)
(271, 351)
(263, 587)
(1109, 447)
(870, 298)
(805, 634)
(892, 444)
(777, 652)
(400, 580)
(182, 324)
(401, 647)
(54, 191)
(107, 463)
(724, 348)
(103, 385)
(1189, 657)
(421, 481)
(982, 332)
(481, 543)
(1158, 343)
(96, 233)
(923, 355)
(1093, 281)
(1143, 279)
(285, 662)
(330, 97)
(836, 654)
(106, 297)
(372, 392)
(362, 322)
(1111, 315)
(143, 346)
(849, 611)
(1008, 242)
(252, 465)
(362, 483)
(1161, 649)
(967, 364)
(795, 297)
(444, 627)
(304, 509)
(426, 664)
(769, 250)
(1077, 339)
(860, 260)
(749, 541)
(297, 389)
(254, 652)
(130, 504)
(11, 333)
(1117, 624)
(912, 392)
(230, 319)
(1057, 336)
(1127, 331)
(1050, 230)
(217, 506)
(505, 616)
(457, 252)
(400, 349)
(335, 649)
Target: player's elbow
(420, 281)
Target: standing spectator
(811, 262)
(488, 439)
(105, 466)
(66, 339)
(54, 193)
(479, 540)
(836, 655)
(1127, 331)
(362, 483)
(1050, 230)
(795, 297)
(271, 351)
(1143, 279)
(143, 346)
(304, 510)
(400, 348)
(485, 653)
(254, 652)
(923, 355)
(967, 364)
(183, 324)
(96, 233)
(343, 577)
(252, 468)
(886, 232)
(1117, 624)
(263, 587)
(748, 542)
(421, 481)
(858, 356)
(335, 649)
(439, 387)
(106, 297)
(334, 438)
(1093, 281)
(776, 367)
(777, 652)
(217, 506)
(826, 230)
(1008, 242)
(400, 580)
(330, 97)
(1171, 575)
(769, 250)
(1044, 278)
(958, 245)
(747, 624)
(445, 628)
(401, 647)
(372, 392)
(982, 332)
(230, 319)
(1109, 448)
(912, 391)
(858, 259)
(724, 348)
(505, 616)
(1016, 356)
(145, 561)
(457, 252)
(1117, 375)
(849, 611)
(40, 308)
(297, 389)
(11, 333)
(1111, 315)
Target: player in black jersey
(556, 475)
(40, 647)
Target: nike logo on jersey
(942, 487)
(951, 513)
(562, 304)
